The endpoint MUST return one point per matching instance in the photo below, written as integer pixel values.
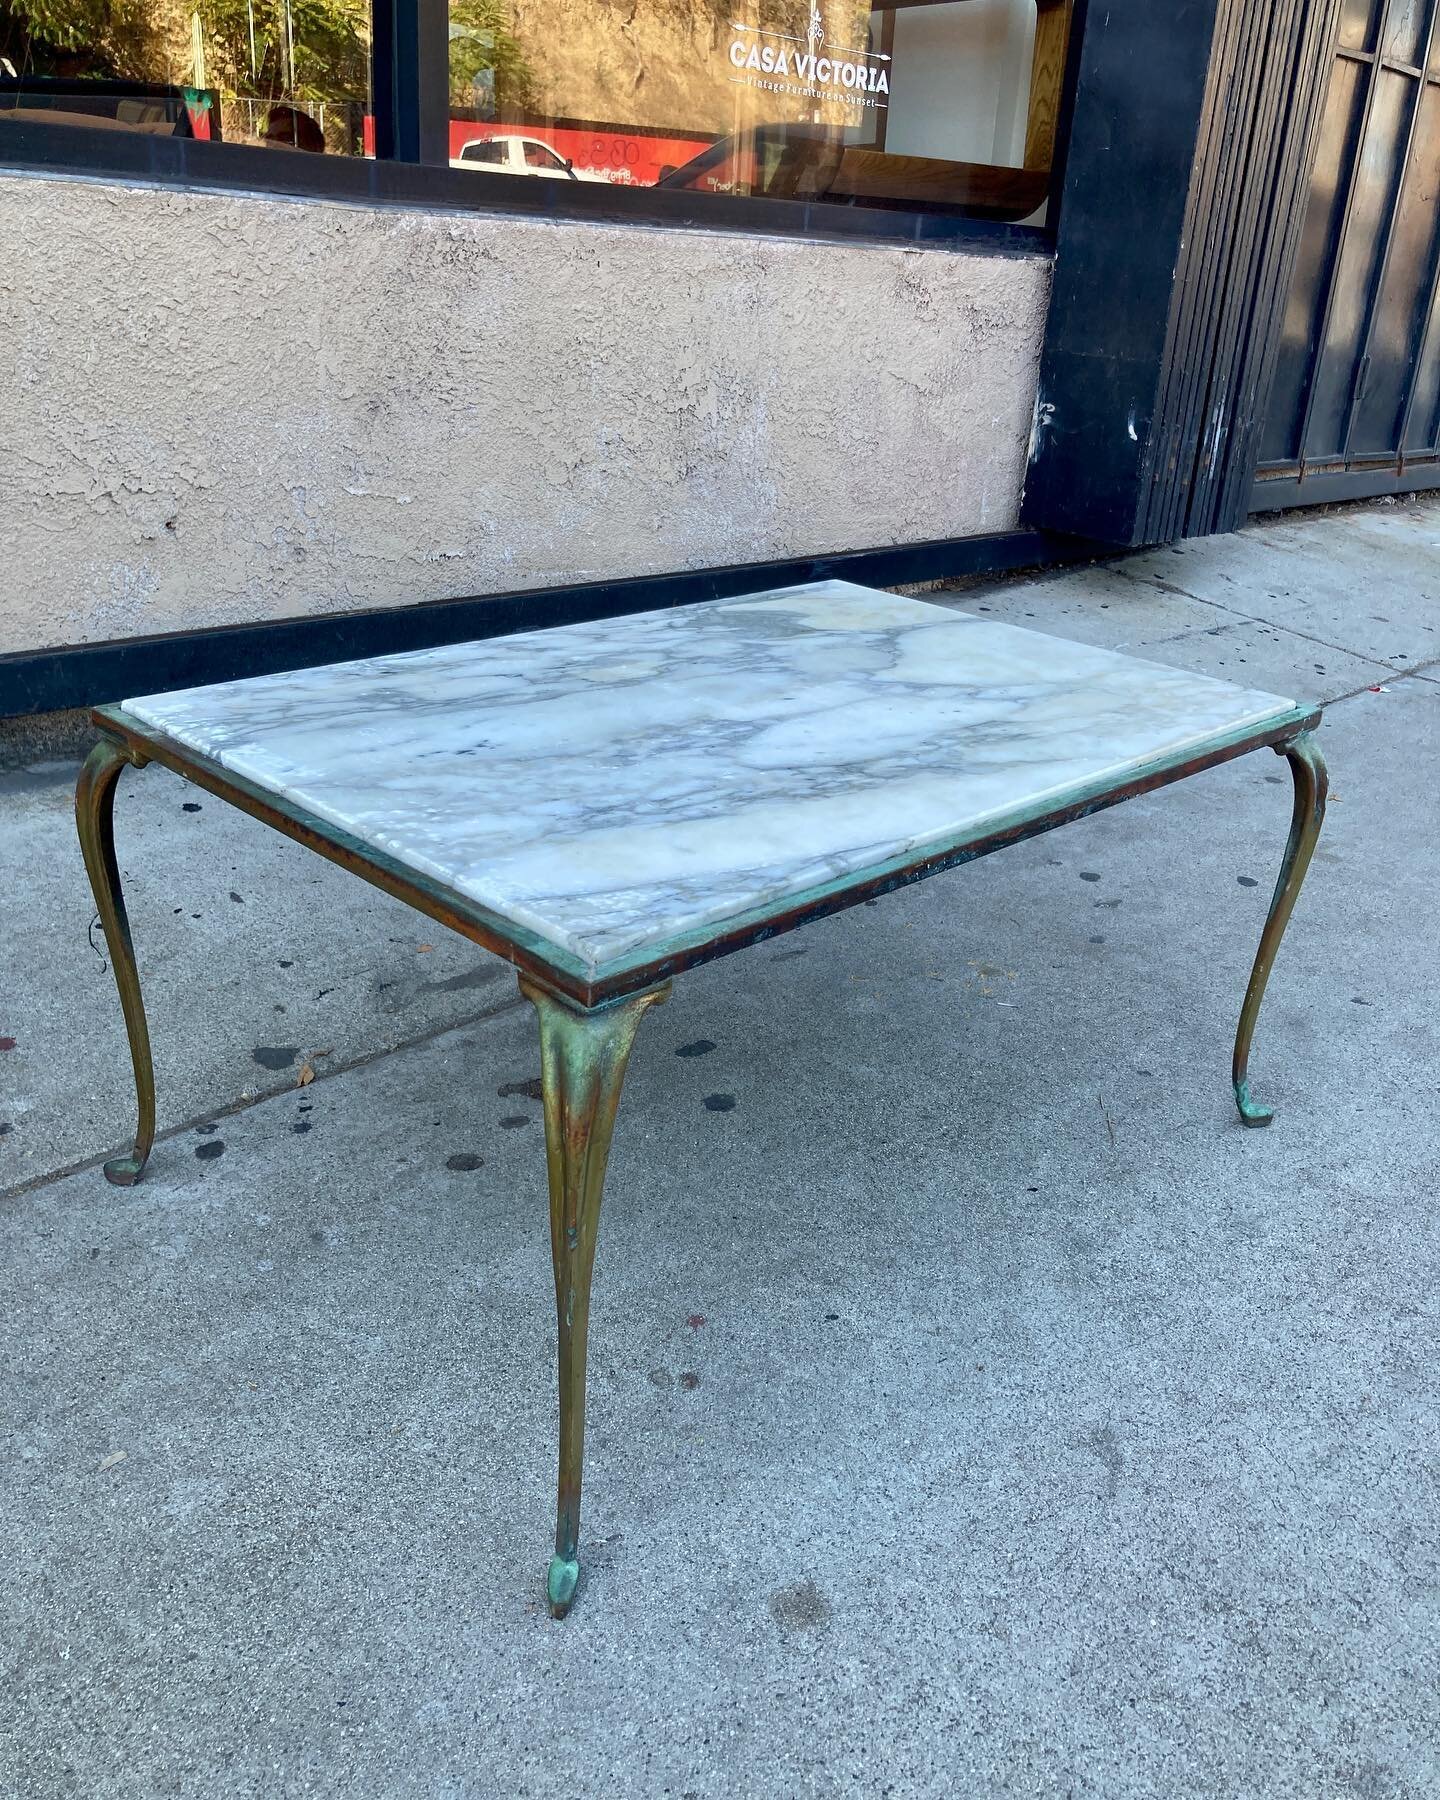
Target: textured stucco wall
(225, 408)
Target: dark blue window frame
(411, 166)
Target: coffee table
(609, 804)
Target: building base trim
(56, 679)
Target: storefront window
(288, 73)
(942, 105)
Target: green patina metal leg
(1307, 766)
(582, 1062)
(94, 818)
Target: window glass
(482, 150)
(292, 74)
(1358, 20)
(947, 105)
(1405, 28)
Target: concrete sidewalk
(976, 1408)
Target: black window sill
(194, 163)
(41, 681)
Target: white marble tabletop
(614, 787)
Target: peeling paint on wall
(225, 408)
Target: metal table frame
(588, 1019)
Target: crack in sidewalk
(1402, 672)
(1308, 637)
(245, 1102)
(1414, 674)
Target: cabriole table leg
(1307, 766)
(583, 1055)
(94, 819)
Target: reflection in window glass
(485, 150)
(1405, 27)
(947, 105)
(1358, 19)
(288, 73)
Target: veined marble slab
(613, 786)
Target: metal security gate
(1355, 405)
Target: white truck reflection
(508, 153)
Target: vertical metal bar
(385, 28)
(1382, 273)
(1188, 354)
(1426, 324)
(1322, 336)
(1218, 420)
(1434, 432)
(1280, 56)
(411, 79)
(887, 50)
(1290, 83)
(432, 79)
(1187, 357)
(1295, 154)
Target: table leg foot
(1307, 767)
(125, 1171)
(95, 822)
(583, 1056)
(560, 1585)
(1252, 1114)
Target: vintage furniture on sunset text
(608, 804)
